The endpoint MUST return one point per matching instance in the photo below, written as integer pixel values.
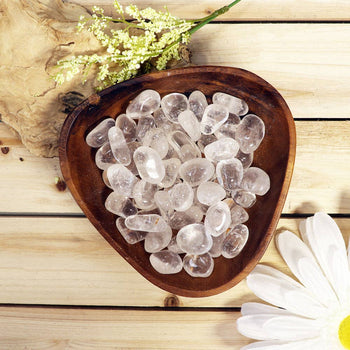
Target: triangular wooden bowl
(275, 155)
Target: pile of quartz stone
(181, 175)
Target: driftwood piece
(34, 34)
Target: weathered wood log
(33, 36)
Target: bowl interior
(275, 155)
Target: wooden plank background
(64, 287)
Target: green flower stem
(205, 20)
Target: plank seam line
(121, 308)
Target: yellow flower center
(344, 332)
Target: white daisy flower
(313, 314)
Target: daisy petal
(275, 327)
(326, 242)
(258, 308)
(278, 289)
(302, 263)
(311, 344)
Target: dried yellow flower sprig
(125, 53)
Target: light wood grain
(246, 10)
(320, 180)
(42, 328)
(64, 261)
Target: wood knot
(94, 99)
(171, 301)
(70, 100)
(5, 150)
(60, 184)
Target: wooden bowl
(275, 155)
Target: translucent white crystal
(234, 104)
(143, 194)
(217, 219)
(98, 136)
(163, 202)
(216, 249)
(238, 214)
(131, 236)
(156, 241)
(105, 179)
(190, 124)
(198, 103)
(121, 179)
(144, 124)
(245, 158)
(193, 239)
(172, 167)
(182, 144)
(214, 116)
(224, 148)
(133, 146)
(198, 265)
(120, 205)
(149, 164)
(146, 222)
(181, 196)
(229, 173)
(173, 247)
(228, 129)
(145, 103)
(250, 132)
(166, 262)
(104, 157)
(196, 171)
(235, 241)
(157, 139)
(118, 145)
(205, 140)
(256, 180)
(173, 104)
(127, 126)
(180, 219)
(243, 198)
(209, 193)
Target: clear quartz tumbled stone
(214, 116)
(98, 136)
(245, 158)
(173, 247)
(120, 205)
(146, 222)
(238, 214)
(250, 132)
(234, 104)
(256, 180)
(218, 219)
(156, 241)
(121, 179)
(166, 262)
(157, 139)
(209, 193)
(205, 140)
(172, 167)
(180, 219)
(229, 173)
(173, 104)
(181, 196)
(127, 126)
(143, 194)
(216, 249)
(149, 164)
(118, 145)
(104, 157)
(235, 241)
(182, 144)
(243, 198)
(131, 236)
(145, 124)
(163, 202)
(198, 103)
(145, 103)
(224, 148)
(193, 239)
(198, 265)
(228, 129)
(190, 124)
(196, 171)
